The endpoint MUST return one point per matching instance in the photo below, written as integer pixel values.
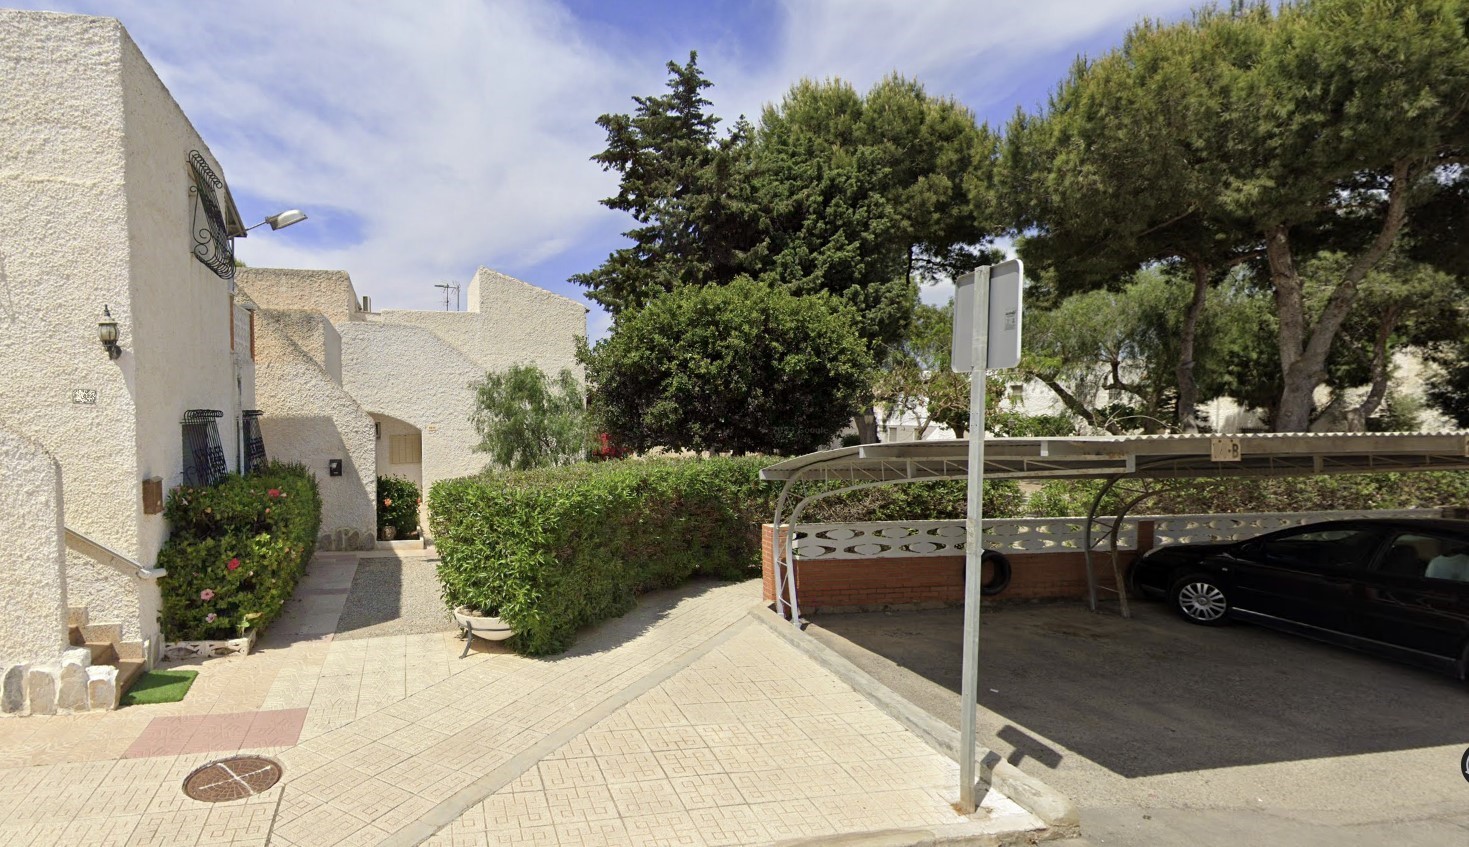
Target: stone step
(127, 673)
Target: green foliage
(525, 421)
(398, 500)
(236, 551)
(1283, 494)
(946, 500)
(855, 196)
(553, 550)
(1265, 129)
(739, 368)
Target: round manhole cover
(234, 778)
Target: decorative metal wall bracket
(213, 245)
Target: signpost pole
(973, 540)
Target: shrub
(236, 551)
(398, 500)
(555, 549)
(738, 368)
(527, 420)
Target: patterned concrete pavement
(676, 724)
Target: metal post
(973, 541)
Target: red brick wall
(937, 580)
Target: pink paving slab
(169, 736)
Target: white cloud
(426, 139)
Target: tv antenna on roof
(450, 286)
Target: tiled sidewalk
(678, 723)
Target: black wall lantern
(107, 334)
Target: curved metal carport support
(1114, 532)
(785, 560)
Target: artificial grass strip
(159, 687)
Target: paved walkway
(680, 723)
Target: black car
(1396, 588)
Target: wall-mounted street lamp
(107, 334)
(281, 220)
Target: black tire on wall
(1000, 579)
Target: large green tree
(740, 368)
(680, 183)
(1253, 132)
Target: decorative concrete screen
(920, 564)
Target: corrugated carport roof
(1139, 456)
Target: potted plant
(478, 623)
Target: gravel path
(393, 596)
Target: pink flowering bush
(235, 551)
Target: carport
(1132, 467)
(1136, 467)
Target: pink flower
(209, 618)
(274, 492)
(206, 595)
(387, 502)
(234, 564)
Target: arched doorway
(400, 452)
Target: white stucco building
(388, 393)
(115, 213)
(109, 199)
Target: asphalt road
(1165, 733)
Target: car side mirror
(1251, 549)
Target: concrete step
(127, 673)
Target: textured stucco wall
(413, 375)
(182, 309)
(508, 322)
(32, 554)
(94, 210)
(65, 247)
(328, 292)
(309, 418)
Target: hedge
(397, 506)
(236, 551)
(552, 550)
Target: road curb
(1052, 807)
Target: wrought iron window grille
(213, 245)
(204, 462)
(254, 440)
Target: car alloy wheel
(1200, 600)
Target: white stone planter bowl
(490, 629)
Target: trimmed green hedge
(397, 506)
(236, 551)
(555, 549)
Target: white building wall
(32, 554)
(415, 376)
(507, 322)
(182, 309)
(65, 248)
(309, 418)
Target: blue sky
(427, 139)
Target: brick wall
(931, 581)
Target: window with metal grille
(213, 245)
(254, 441)
(203, 453)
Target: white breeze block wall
(32, 554)
(309, 418)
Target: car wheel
(1200, 599)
